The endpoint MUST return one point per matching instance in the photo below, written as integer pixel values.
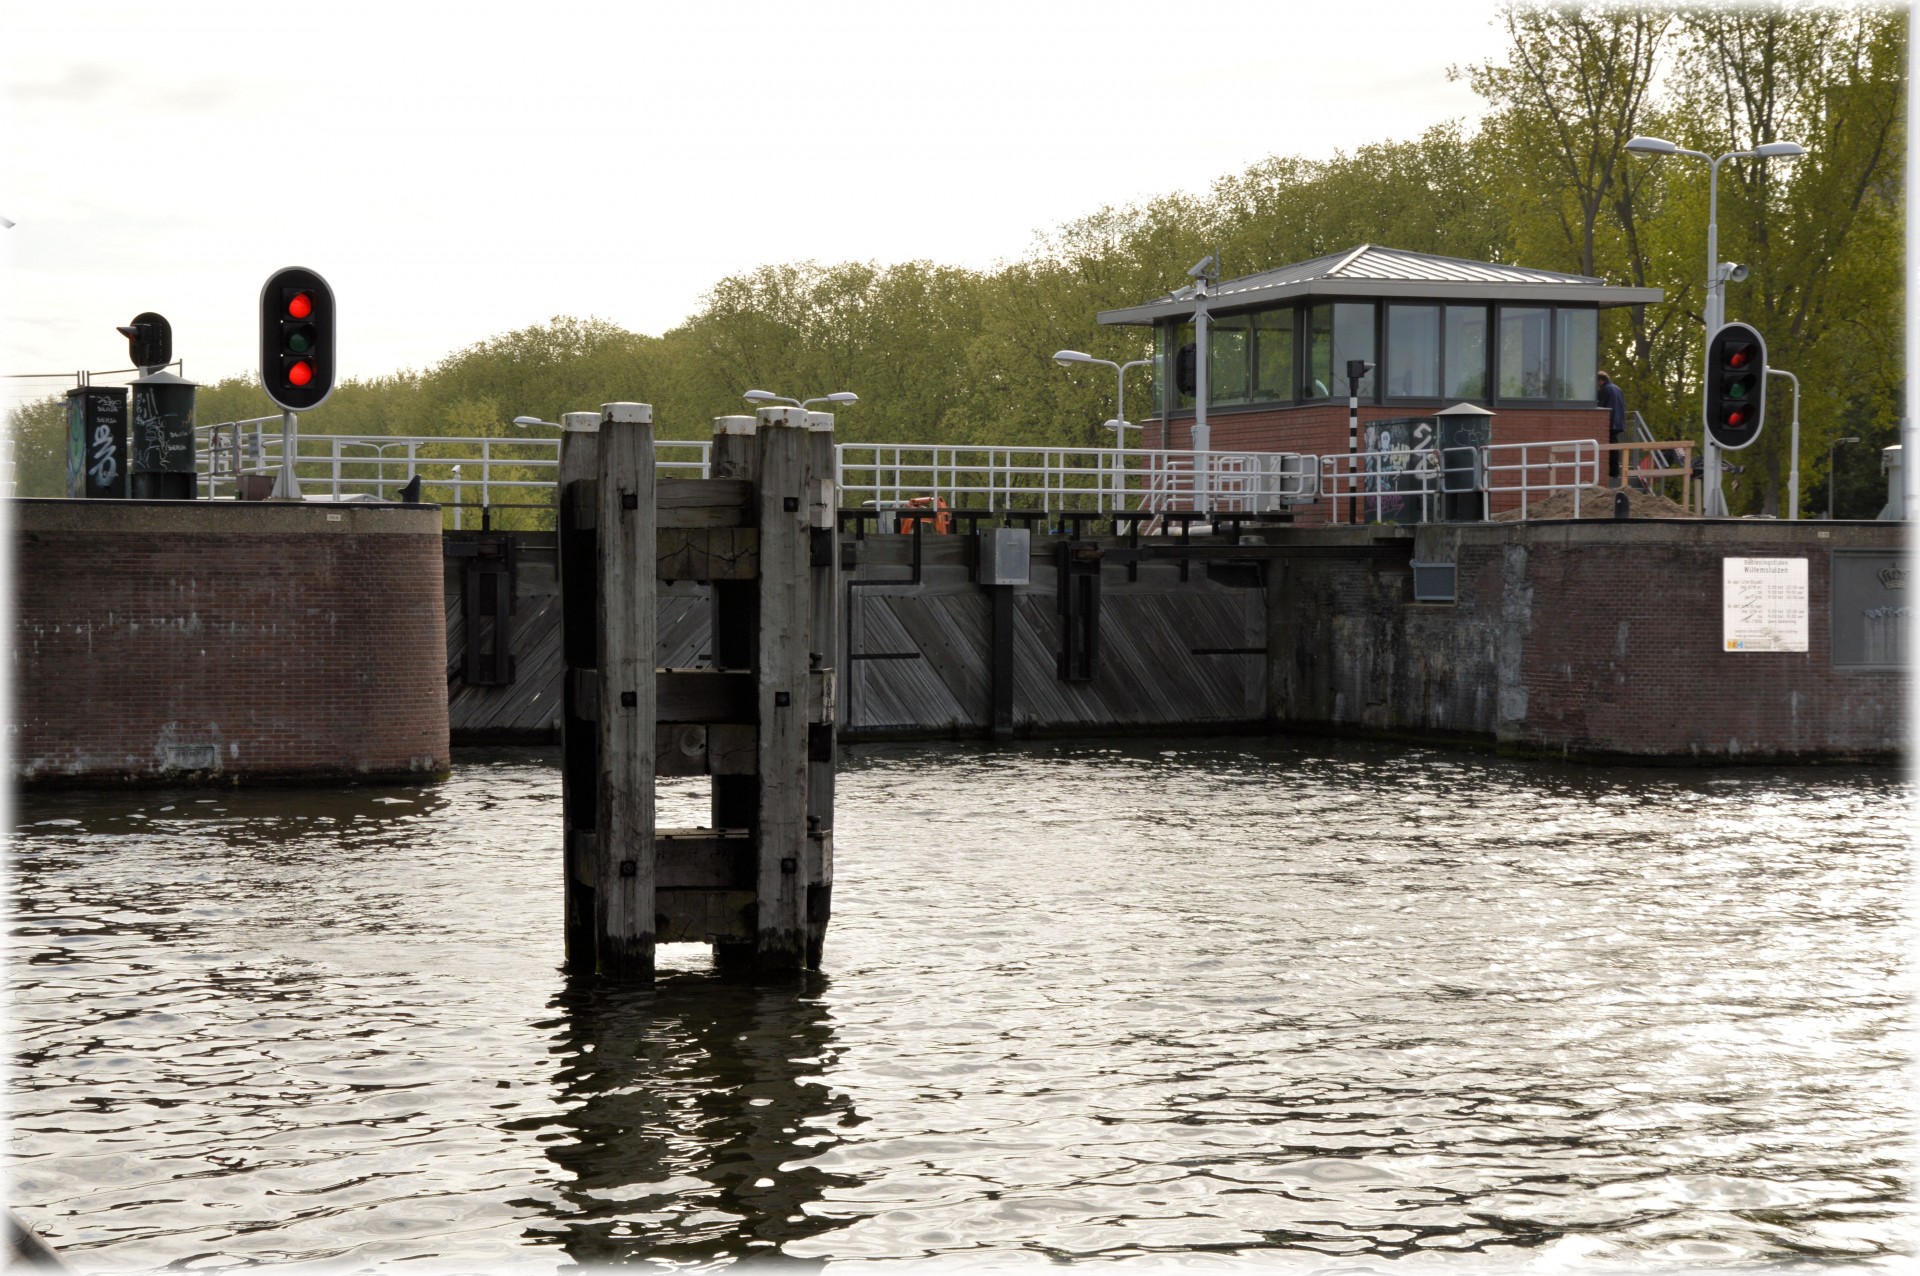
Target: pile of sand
(1597, 502)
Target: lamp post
(1713, 503)
(1830, 447)
(1119, 424)
(768, 396)
(1793, 459)
(1067, 358)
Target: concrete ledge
(226, 518)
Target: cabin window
(1525, 352)
(1229, 359)
(1464, 372)
(1413, 352)
(1576, 353)
(1273, 355)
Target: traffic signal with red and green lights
(1736, 385)
(296, 339)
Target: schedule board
(1764, 604)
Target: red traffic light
(298, 361)
(1739, 358)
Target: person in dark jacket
(1616, 405)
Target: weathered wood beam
(628, 620)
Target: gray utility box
(1005, 556)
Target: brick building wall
(1583, 639)
(202, 640)
(1319, 429)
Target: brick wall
(167, 640)
(1591, 639)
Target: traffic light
(1736, 385)
(149, 340)
(296, 339)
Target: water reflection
(684, 1110)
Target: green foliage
(944, 355)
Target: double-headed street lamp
(1714, 503)
(768, 396)
(1067, 358)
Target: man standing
(1616, 405)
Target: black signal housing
(297, 339)
(1736, 390)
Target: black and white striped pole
(1357, 370)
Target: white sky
(459, 170)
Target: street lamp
(524, 421)
(768, 396)
(1830, 447)
(1714, 504)
(1067, 358)
(1793, 460)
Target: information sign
(1764, 604)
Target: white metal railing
(501, 473)
(1052, 479)
(460, 473)
(1537, 470)
(1383, 486)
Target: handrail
(498, 472)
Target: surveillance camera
(1200, 269)
(1733, 272)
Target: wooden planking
(683, 627)
(703, 859)
(688, 748)
(705, 916)
(719, 502)
(708, 553)
(706, 696)
(900, 694)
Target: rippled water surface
(1308, 1006)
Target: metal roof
(1372, 271)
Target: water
(1244, 1003)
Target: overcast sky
(459, 170)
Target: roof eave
(1604, 296)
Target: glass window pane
(1229, 354)
(1413, 351)
(1318, 381)
(1273, 355)
(1576, 354)
(1523, 352)
(1466, 368)
(1352, 339)
(1173, 338)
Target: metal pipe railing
(494, 472)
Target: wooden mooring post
(759, 722)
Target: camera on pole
(1736, 390)
(296, 339)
